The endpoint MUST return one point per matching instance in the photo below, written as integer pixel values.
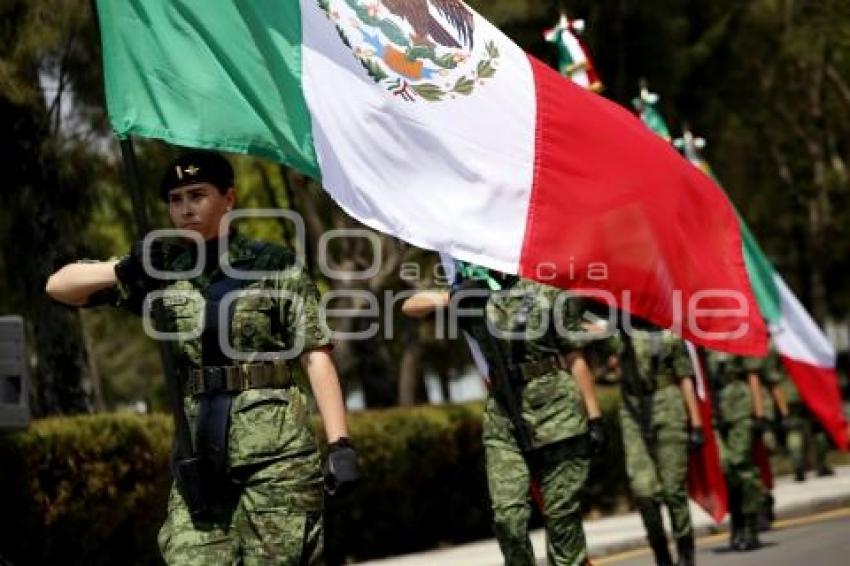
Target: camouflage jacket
(728, 373)
(725, 369)
(654, 359)
(277, 310)
(551, 402)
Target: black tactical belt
(533, 370)
(664, 380)
(217, 379)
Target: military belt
(664, 380)
(533, 370)
(217, 379)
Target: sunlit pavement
(612, 535)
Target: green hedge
(92, 489)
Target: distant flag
(574, 60)
(646, 106)
(805, 351)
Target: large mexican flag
(424, 121)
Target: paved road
(819, 540)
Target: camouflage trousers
(805, 433)
(659, 472)
(276, 520)
(742, 475)
(559, 470)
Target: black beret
(197, 166)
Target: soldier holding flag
(659, 421)
(248, 487)
(541, 419)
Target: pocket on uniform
(553, 409)
(267, 424)
(545, 390)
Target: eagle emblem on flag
(416, 49)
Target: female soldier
(246, 403)
(541, 418)
(658, 403)
(737, 383)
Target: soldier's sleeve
(751, 364)
(301, 313)
(120, 296)
(573, 331)
(771, 374)
(682, 364)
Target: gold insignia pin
(192, 170)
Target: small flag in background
(574, 61)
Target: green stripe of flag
(761, 275)
(218, 75)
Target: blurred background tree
(766, 82)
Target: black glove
(595, 436)
(131, 269)
(783, 426)
(760, 425)
(341, 472)
(696, 438)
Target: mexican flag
(424, 121)
(805, 351)
(574, 60)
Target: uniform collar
(239, 250)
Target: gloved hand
(696, 438)
(760, 425)
(596, 435)
(341, 471)
(131, 269)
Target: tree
(45, 198)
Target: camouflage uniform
(654, 423)
(552, 406)
(735, 426)
(272, 453)
(803, 431)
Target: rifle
(189, 470)
(507, 374)
(713, 384)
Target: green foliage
(88, 490)
(84, 490)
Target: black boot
(736, 519)
(661, 552)
(750, 537)
(767, 516)
(685, 551)
(650, 512)
(825, 471)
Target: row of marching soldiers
(540, 350)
